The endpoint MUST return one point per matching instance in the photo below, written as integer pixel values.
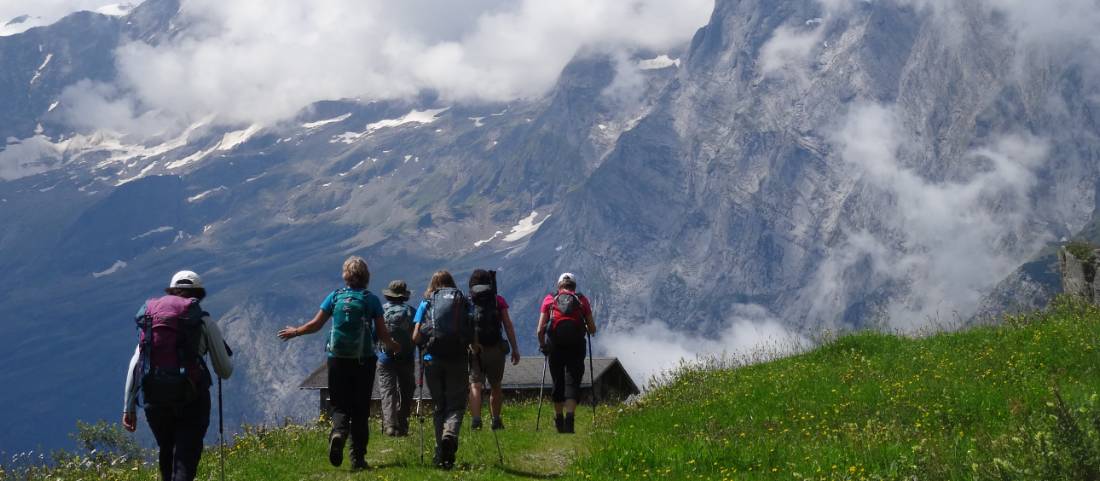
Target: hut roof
(525, 375)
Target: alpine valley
(800, 165)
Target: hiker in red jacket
(564, 321)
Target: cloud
(948, 242)
(750, 334)
(790, 49)
(28, 157)
(260, 61)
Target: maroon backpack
(172, 368)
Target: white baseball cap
(186, 279)
(567, 276)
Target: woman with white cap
(564, 321)
(168, 369)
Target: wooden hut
(613, 384)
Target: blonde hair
(440, 279)
(356, 273)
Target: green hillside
(1017, 401)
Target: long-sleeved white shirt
(211, 344)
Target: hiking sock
(498, 423)
(475, 423)
(559, 423)
(569, 422)
(336, 449)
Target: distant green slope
(986, 403)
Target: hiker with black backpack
(396, 371)
(169, 372)
(490, 312)
(444, 331)
(565, 321)
(357, 320)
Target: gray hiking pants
(397, 383)
(447, 381)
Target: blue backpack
(352, 334)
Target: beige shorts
(492, 359)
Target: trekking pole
(419, 400)
(221, 432)
(591, 379)
(538, 417)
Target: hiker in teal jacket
(351, 358)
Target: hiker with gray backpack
(396, 371)
(357, 321)
(444, 330)
(565, 322)
(168, 374)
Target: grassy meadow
(1015, 401)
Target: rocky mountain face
(800, 163)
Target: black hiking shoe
(447, 448)
(569, 423)
(559, 423)
(359, 464)
(437, 460)
(475, 423)
(336, 449)
(498, 424)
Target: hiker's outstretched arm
(310, 327)
(215, 346)
(590, 322)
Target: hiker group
(462, 341)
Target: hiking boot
(475, 423)
(437, 460)
(359, 464)
(559, 423)
(447, 448)
(498, 424)
(336, 449)
(569, 422)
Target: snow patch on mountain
(232, 139)
(414, 116)
(490, 239)
(322, 123)
(117, 266)
(525, 227)
(158, 230)
(203, 195)
(41, 67)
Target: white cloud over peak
(260, 61)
